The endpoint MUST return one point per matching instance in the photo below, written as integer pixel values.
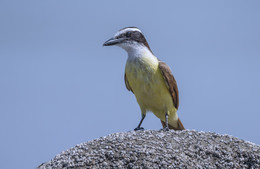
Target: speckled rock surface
(160, 149)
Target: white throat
(136, 50)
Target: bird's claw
(139, 128)
(165, 129)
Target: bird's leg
(139, 125)
(166, 128)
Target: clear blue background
(59, 87)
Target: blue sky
(59, 87)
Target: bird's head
(129, 38)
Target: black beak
(113, 41)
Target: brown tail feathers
(180, 125)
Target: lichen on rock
(160, 149)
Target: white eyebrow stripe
(127, 30)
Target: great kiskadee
(150, 79)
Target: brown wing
(170, 83)
(127, 84)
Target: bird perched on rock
(150, 79)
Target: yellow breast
(148, 85)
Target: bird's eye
(128, 34)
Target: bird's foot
(139, 128)
(165, 129)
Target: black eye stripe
(128, 34)
(120, 36)
(136, 36)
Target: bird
(148, 78)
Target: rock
(160, 149)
